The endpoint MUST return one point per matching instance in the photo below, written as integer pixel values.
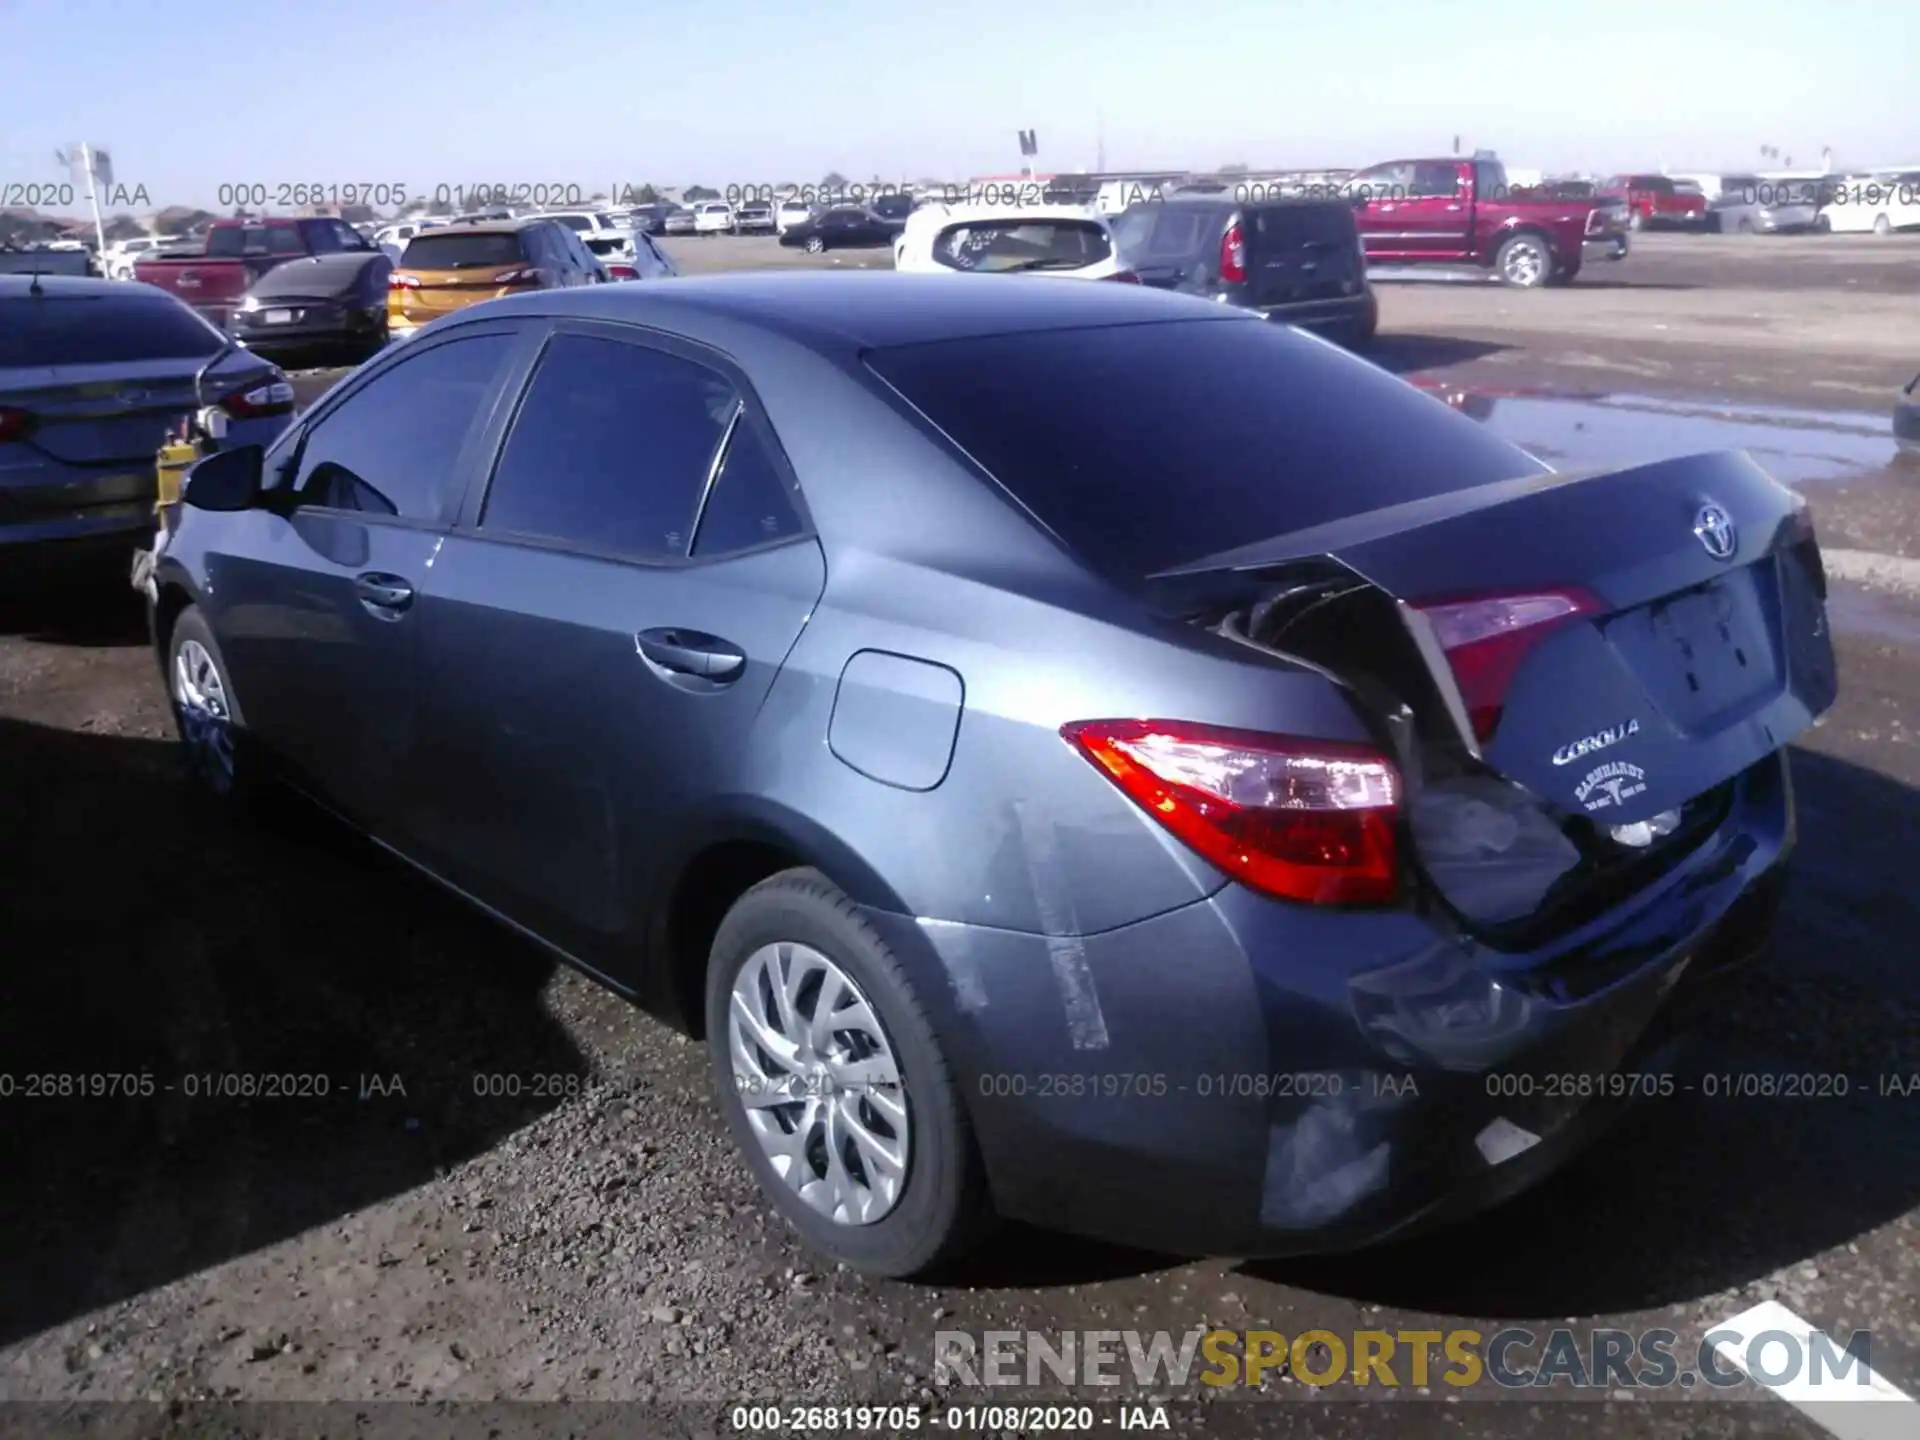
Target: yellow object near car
(171, 468)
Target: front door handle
(384, 595)
(691, 652)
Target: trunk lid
(117, 413)
(1693, 668)
(441, 292)
(1300, 251)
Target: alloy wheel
(206, 718)
(1526, 264)
(817, 1074)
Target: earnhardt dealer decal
(1611, 785)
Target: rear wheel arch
(723, 865)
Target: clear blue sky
(192, 94)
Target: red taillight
(273, 398)
(623, 272)
(1486, 638)
(1306, 820)
(13, 423)
(397, 281)
(1233, 255)
(1125, 277)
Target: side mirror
(225, 480)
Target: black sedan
(335, 304)
(844, 227)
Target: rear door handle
(691, 652)
(384, 595)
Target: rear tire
(1636, 221)
(815, 245)
(941, 1208)
(1524, 261)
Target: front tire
(220, 766)
(855, 1128)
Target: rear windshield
(575, 222)
(1298, 223)
(895, 206)
(1145, 447)
(606, 245)
(1158, 233)
(97, 329)
(468, 251)
(997, 245)
(232, 241)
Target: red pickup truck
(1658, 200)
(1458, 212)
(237, 253)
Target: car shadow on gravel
(162, 966)
(1403, 353)
(1695, 1195)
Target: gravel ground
(516, 1188)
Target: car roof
(491, 227)
(966, 214)
(838, 311)
(20, 284)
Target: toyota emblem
(1713, 527)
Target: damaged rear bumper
(1246, 1077)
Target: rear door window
(100, 329)
(1144, 447)
(611, 449)
(751, 502)
(393, 446)
(1022, 244)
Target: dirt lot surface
(494, 1182)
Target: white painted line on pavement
(1804, 1366)
(1870, 568)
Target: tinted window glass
(750, 504)
(1433, 181)
(234, 240)
(1010, 244)
(611, 448)
(89, 329)
(438, 250)
(1148, 446)
(893, 207)
(1165, 234)
(391, 448)
(1296, 223)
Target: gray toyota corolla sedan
(1075, 752)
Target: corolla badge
(1611, 785)
(1613, 735)
(1713, 527)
